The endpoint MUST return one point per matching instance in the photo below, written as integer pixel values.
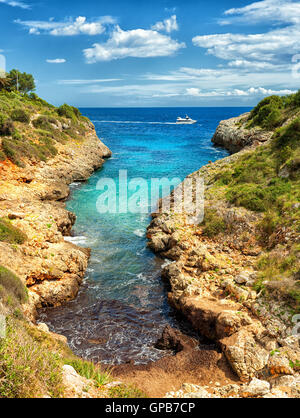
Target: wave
(133, 122)
(139, 232)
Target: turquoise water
(121, 309)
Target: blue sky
(154, 53)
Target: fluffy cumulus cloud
(138, 43)
(274, 46)
(168, 25)
(56, 61)
(69, 27)
(13, 3)
(258, 51)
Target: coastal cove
(122, 309)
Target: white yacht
(185, 121)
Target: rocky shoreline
(33, 199)
(211, 280)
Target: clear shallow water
(122, 309)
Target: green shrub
(13, 285)
(66, 111)
(278, 273)
(44, 122)
(273, 120)
(267, 114)
(76, 112)
(6, 125)
(213, 224)
(295, 99)
(17, 150)
(126, 391)
(269, 223)
(288, 136)
(89, 370)
(28, 369)
(275, 101)
(250, 196)
(11, 234)
(19, 115)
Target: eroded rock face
(33, 199)
(211, 281)
(232, 134)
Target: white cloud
(281, 11)
(260, 91)
(13, 3)
(69, 27)
(274, 46)
(56, 61)
(272, 50)
(168, 25)
(84, 82)
(139, 43)
(254, 65)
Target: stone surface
(32, 198)
(256, 388)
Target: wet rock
(173, 339)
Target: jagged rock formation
(213, 277)
(33, 199)
(234, 136)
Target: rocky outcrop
(33, 199)
(234, 136)
(212, 281)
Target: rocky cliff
(235, 276)
(32, 195)
(234, 136)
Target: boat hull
(190, 122)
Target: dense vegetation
(31, 128)
(273, 111)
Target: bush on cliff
(13, 285)
(213, 223)
(44, 122)
(25, 144)
(11, 234)
(30, 366)
(272, 111)
(69, 112)
(279, 274)
(19, 115)
(91, 371)
(6, 125)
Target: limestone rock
(256, 388)
(245, 354)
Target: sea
(122, 307)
